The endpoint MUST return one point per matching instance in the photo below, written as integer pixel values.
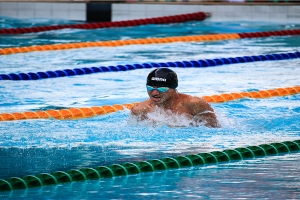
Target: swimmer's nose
(155, 92)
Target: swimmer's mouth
(156, 98)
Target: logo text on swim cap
(158, 79)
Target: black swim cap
(163, 77)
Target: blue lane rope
(178, 64)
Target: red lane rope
(269, 33)
(157, 20)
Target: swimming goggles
(160, 89)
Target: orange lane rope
(72, 113)
(254, 94)
(76, 113)
(114, 43)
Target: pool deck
(283, 12)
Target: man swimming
(161, 87)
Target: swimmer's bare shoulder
(201, 110)
(199, 104)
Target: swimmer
(161, 87)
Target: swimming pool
(47, 145)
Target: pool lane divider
(64, 114)
(77, 113)
(141, 41)
(197, 16)
(177, 64)
(115, 43)
(177, 162)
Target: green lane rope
(125, 169)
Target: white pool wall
(49, 10)
(286, 13)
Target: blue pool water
(47, 145)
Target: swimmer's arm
(204, 113)
(209, 118)
(139, 111)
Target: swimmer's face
(158, 97)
